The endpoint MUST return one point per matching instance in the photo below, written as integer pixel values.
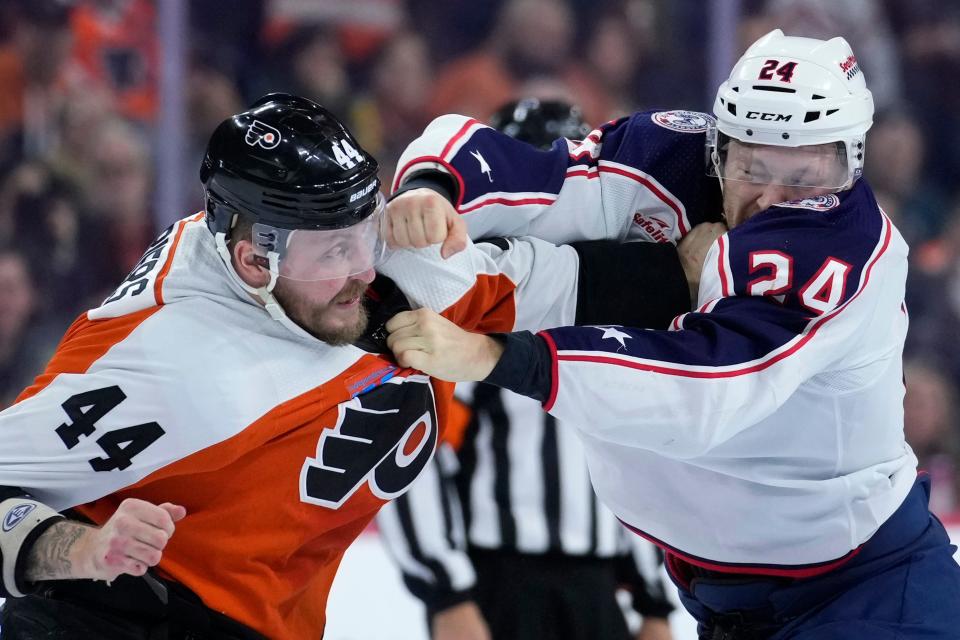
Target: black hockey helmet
(288, 163)
(540, 122)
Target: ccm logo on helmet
(263, 135)
(776, 117)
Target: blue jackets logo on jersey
(818, 203)
(686, 121)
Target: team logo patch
(16, 515)
(263, 135)
(382, 439)
(685, 121)
(818, 203)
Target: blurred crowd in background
(79, 104)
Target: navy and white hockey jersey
(762, 433)
(648, 171)
(767, 427)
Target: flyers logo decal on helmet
(382, 438)
(263, 135)
(685, 121)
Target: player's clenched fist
(131, 541)
(425, 340)
(421, 217)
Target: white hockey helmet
(793, 92)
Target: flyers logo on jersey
(383, 438)
(263, 135)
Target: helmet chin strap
(264, 293)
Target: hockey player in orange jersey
(204, 445)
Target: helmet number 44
(345, 154)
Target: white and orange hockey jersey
(181, 388)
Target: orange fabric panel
(488, 307)
(85, 342)
(244, 512)
(457, 423)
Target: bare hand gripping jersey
(181, 388)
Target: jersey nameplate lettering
(136, 292)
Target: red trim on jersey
(590, 175)
(446, 165)
(506, 202)
(459, 134)
(724, 287)
(158, 284)
(554, 371)
(675, 370)
(778, 571)
(654, 190)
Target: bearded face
(330, 310)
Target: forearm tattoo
(49, 558)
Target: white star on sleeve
(615, 333)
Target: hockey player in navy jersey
(760, 440)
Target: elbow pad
(22, 521)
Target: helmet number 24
(785, 70)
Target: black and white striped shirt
(519, 483)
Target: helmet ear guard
(794, 92)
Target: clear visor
(310, 255)
(821, 166)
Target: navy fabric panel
(744, 328)
(515, 166)
(676, 159)
(848, 232)
(737, 330)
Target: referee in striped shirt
(502, 535)
(506, 534)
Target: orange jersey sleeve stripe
(158, 285)
(85, 342)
